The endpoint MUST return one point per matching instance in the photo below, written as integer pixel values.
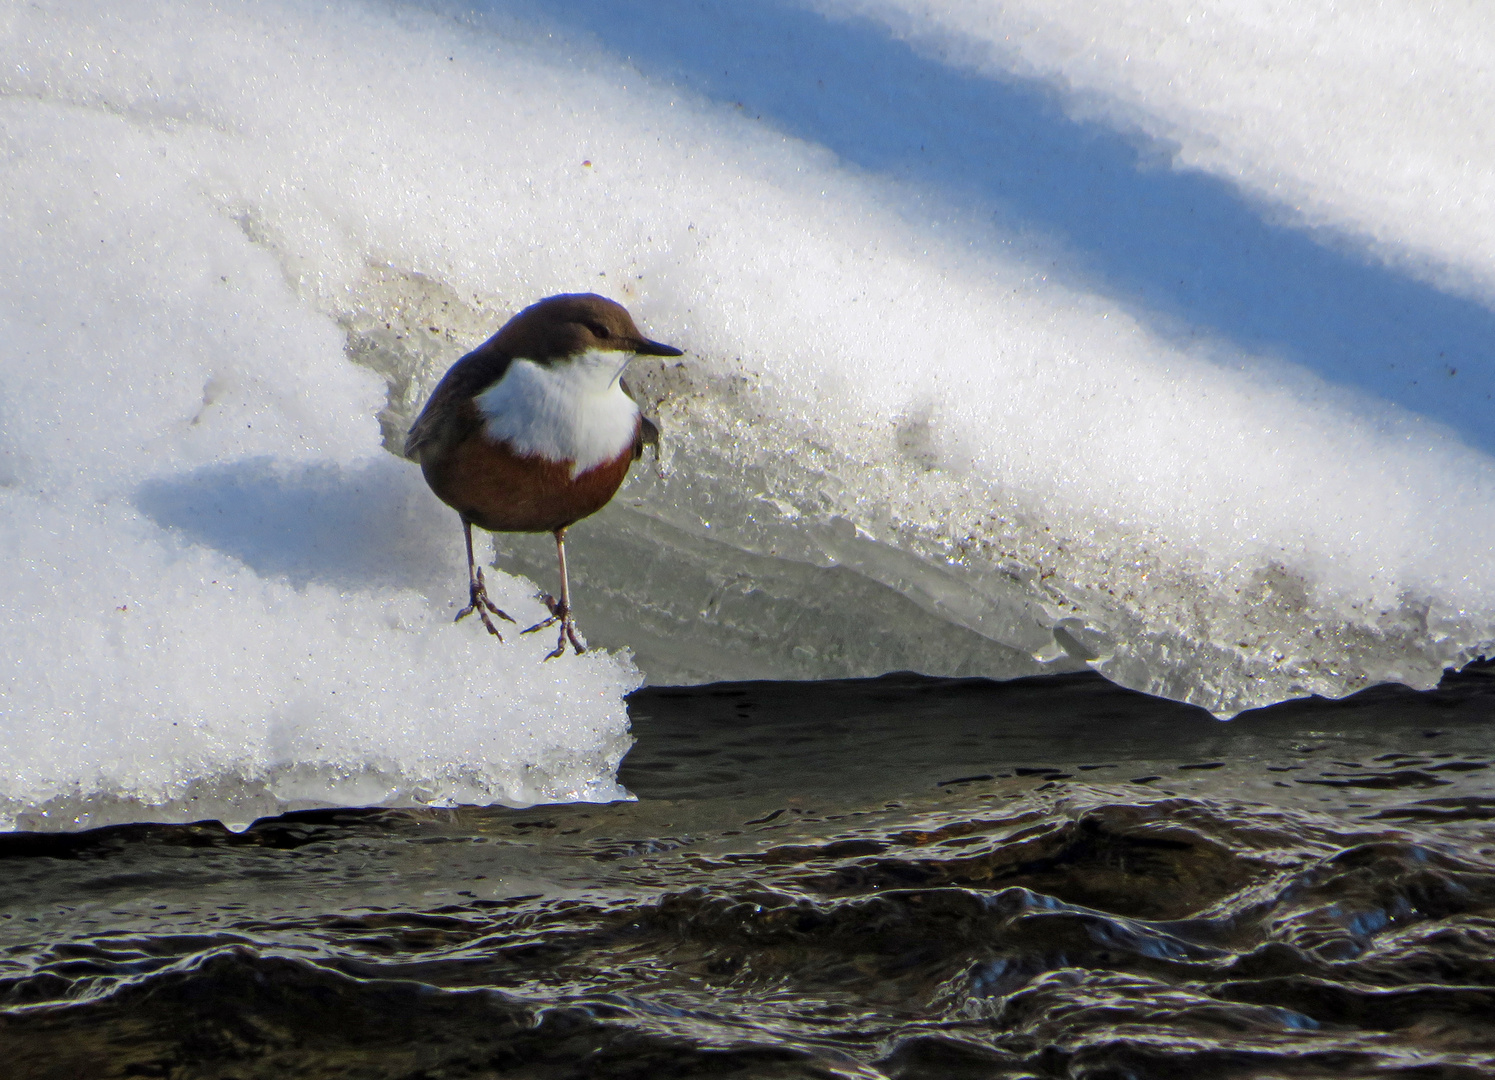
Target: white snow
(1375, 119)
(220, 588)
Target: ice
(921, 424)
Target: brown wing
(449, 417)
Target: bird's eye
(598, 330)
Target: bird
(534, 430)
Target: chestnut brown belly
(500, 491)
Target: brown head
(574, 323)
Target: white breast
(570, 410)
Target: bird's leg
(560, 611)
(477, 590)
(568, 624)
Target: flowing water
(897, 877)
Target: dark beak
(645, 347)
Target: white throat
(571, 410)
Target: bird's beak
(645, 347)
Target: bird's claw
(559, 614)
(478, 601)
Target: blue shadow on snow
(352, 527)
(1186, 252)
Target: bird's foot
(559, 613)
(478, 601)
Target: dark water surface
(901, 877)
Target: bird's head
(577, 325)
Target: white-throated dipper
(533, 430)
